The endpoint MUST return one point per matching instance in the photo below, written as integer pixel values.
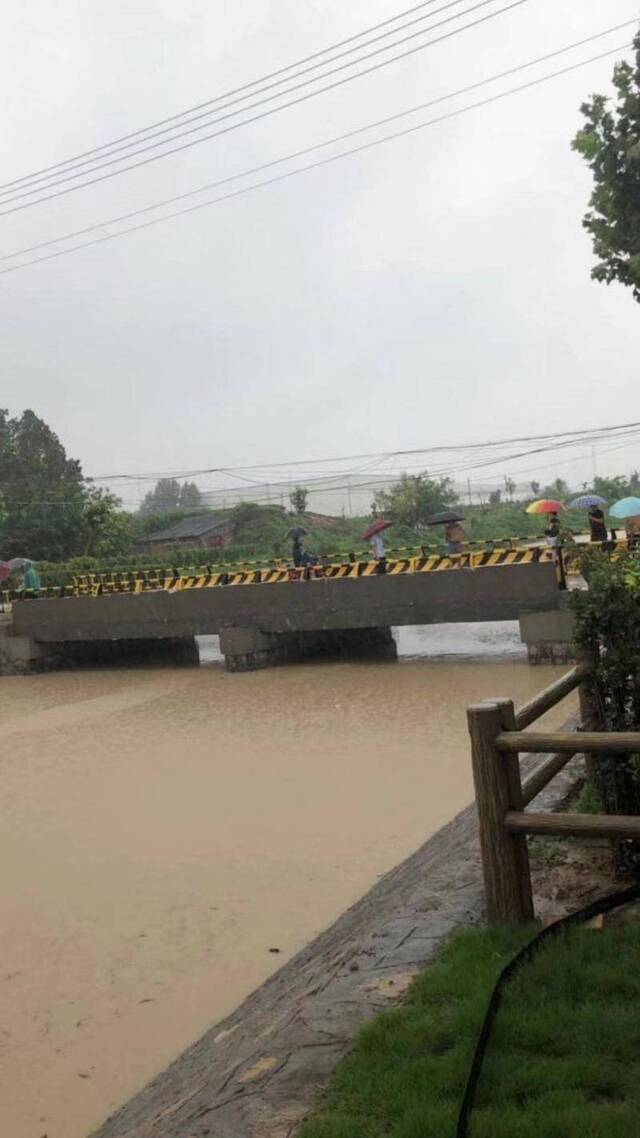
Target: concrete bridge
(260, 624)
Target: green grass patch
(589, 800)
(563, 1061)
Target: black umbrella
(444, 518)
(297, 531)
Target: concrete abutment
(21, 655)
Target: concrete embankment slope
(257, 1074)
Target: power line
(224, 95)
(262, 114)
(317, 146)
(553, 443)
(315, 165)
(584, 434)
(113, 149)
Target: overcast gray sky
(432, 289)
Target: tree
(43, 491)
(414, 498)
(535, 488)
(610, 145)
(612, 488)
(509, 487)
(557, 489)
(298, 498)
(495, 497)
(107, 529)
(607, 625)
(190, 496)
(168, 494)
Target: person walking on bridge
(455, 536)
(373, 534)
(597, 527)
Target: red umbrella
(375, 527)
(5, 570)
(544, 506)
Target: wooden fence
(498, 737)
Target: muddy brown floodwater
(164, 830)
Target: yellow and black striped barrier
(399, 561)
(96, 584)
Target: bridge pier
(248, 649)
(19, 655)
(549, 635)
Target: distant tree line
(49, 511)
(168, 494)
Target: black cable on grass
(604, 905)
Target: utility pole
(349, 506)
(469, 491)
(593, 460)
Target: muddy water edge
(170, 837)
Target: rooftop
(194, 526)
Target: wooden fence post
(505, 860)
(589, 718)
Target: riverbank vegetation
(607, 628)
(560, 1062)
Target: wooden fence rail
(497, 740)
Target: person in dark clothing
(596, 524)
(298, 552)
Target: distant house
(204, 531)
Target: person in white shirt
(378, 552)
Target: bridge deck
(499, 592)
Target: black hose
(604, 905)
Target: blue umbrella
(585, 501)
(626, 508)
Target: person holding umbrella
(628, 509)
(454, 534)
(31, 578)
(372, 534)
(593, 503)
(597, 527)
(551, 507)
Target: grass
(563, 1062)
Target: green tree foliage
(495, 497)
(190, 496)
(617, 487)
(608, 627)
(108, 530)
(557, 489)
(298, 498)
(42, 491)
(168, 495)
(414, 498)
(535, 488)
(610, 144)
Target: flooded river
(163, 831)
